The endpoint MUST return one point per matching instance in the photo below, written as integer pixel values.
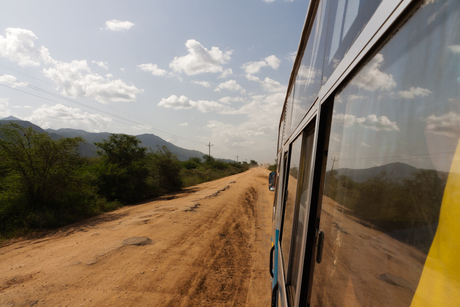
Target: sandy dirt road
(209, 247)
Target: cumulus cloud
(268, 84)
(414, 92)
(203, 83)
(101, 64)
(18, 46)
(371, 78)
(447, 124)
(184, 124)
(182, 102)
(227, 72)
(230, 85)
(11, 81)
(118, 25)
(373, 122)
(228, 100)
(254, 67)
(200, 60)
(75, 79)
(4, 110)
(59, 116)
(153, 69)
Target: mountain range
(88, 149)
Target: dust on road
(209, 247)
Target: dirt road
(209, 247)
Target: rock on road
(206, 246)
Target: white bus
(367, 201)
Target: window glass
(346, 21)
(290, 201)
(392, 172)
(308, 80)
(302, 209)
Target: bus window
(288, 215)
(394, 135)
(301, 210)
(308, 79)
(346, 20)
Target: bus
(367, 200)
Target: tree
(165, 169)
(122, 172)
(45, 168)
(121, 149)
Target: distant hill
(89, 150)
(394, 171)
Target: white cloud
(365, 144)
(268, 84)
(18, 46)
(414, 92)
(202, 83)
(200, 60)
(447, 124)
(227, 72)
(254, 67)
(371, 78)
(355, 97)
(184, 124)
(273, 61)
(4, 111)
(230, 85)
(306, 72)
(76, 80)
(59, 116)
(292, 56)
(182, 102)
(455, 48)
(268, 1)
(117, 25)
(153, 69)
(228, 100)
(101, 64)
(11, 81)
(373, 122)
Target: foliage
(407, 209)
(44, 183)
(272, 168)
(165, 169)
(122, 171)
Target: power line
(122, 120)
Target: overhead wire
(122, 120)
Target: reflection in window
(346, 21)
(395, 129)
(301, 210)
(308, 80)
(290, 201)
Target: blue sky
(191, 72)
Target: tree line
(44, 183)
(406, 209)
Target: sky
(194, 72)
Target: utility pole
(333, 162)
(236, 158)
(209, 145)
